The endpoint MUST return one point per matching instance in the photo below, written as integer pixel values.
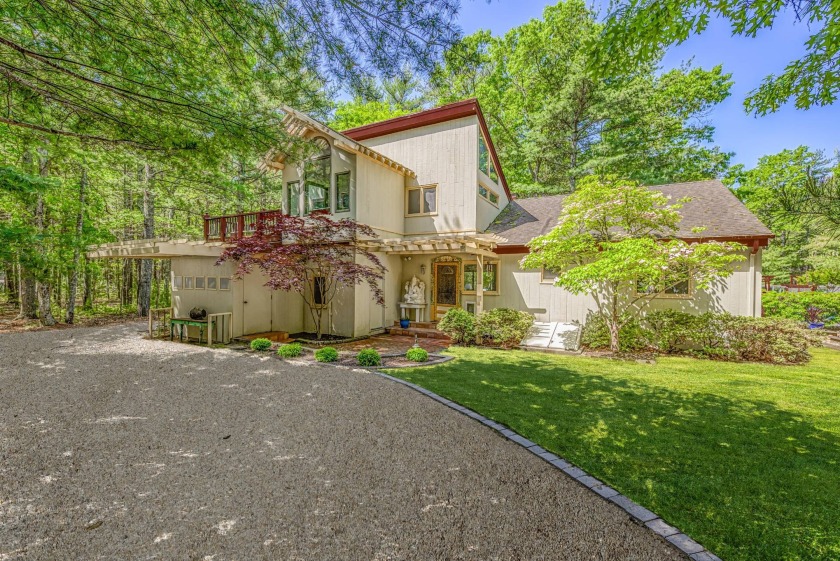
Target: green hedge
(291, 350)
(416, 354)
(709, 335)
(369, 357)
(793, 305)
(327, 354)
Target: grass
(745, 458)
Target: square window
(211, 283)
(199, 283)
(491, 277)
(188, 283)
(548, 276)
(342, 192)
(421, 200)
(177, 283)
(224, 283)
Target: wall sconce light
(407, 258)
(422, 269)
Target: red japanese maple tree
(314, 256)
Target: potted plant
(404, 323)
(814, 315)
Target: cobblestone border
(672, 535)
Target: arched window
(317, 173)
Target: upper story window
(485, 162)
(316, 175)
(488, 195)
(420, 201)
(342, 191)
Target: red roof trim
(753, 242)
(434, 116)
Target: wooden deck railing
(235, 226)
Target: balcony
(236, 226)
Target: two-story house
(432, 187)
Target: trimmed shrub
(632, 336)
(503, 326)
(327, 354)
(291, 350)
(459, 325)
(794, 305)
(670, 330)
(416, 354)
(749, 339)
(369, 357)
(260, 344)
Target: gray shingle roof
(712, 206)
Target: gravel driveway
(115, 447)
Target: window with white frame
(342, 192)
(421, 200)
(547, 276)
(485, 161)
(212, 283)
(199, 283)
(488, 194)
(293, 198)
(188, 283)
(224, 283)
(177, 282)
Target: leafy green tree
(778, 190)
(609, 243)
(637, 31)
(554, 121)
(393, 97)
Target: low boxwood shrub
(416, 354)
(369, 357)
(326, 354)
(290, 351)
(459, 325)
(260, 344)
(794, 305)
(503, 326)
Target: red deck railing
(235, 226)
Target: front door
(445, 295)
(256, 304)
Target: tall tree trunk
(26, 285)
(144, 286)
(44, 283)
(87, 295)
(74, 274)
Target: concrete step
(421, 332)
(419, 324)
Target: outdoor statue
(415, 291)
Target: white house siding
(380, 196)
(521, 289)
(214, 301)
(445, 154)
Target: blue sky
(749, 60)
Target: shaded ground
(104, 315)
(116, 447)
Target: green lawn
(745, 458)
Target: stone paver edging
(675, 537)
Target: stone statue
(415, 291)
